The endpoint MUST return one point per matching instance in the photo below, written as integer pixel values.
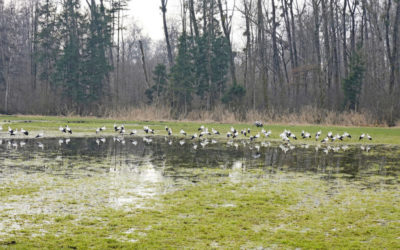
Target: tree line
(81, 57)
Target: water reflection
(171, 157)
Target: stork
(12, 131)
(40, 135)
(23, 131)
(361, 136)
(317, 135)
(215, 132)
(194, 136)
(133, 132)
(182, 132)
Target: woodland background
(311, 59)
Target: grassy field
(294, 212)
(86, 127)
(245, 208)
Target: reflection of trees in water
(84, 154)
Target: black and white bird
(305, 135)
(169, 131)
(255, 137)
(369, 137)
(62, 129)
(23, 131)
(361, 136)
(326, 139)
(258, 124)
(68, 129)
(12, 131)
(330, 135)
(133, 132)
(215, 132)
(317, 135)
(201, 128)
(40, 135)
(182, 132)
(98, 130)
(148, 130)
(194, 136)
(345, 134)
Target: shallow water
(55, 176)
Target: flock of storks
(202, 134)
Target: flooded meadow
(174, 192)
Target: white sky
(147, 14)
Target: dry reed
(307, 115)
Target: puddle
(70, 177)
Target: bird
(68, 129)
(62, 129)
(330, 135)
(317, 135)
(182, 132)
(326, 139)
(228, 134)
(361, 136)
(194, 136)
(345, 134)
(369, 137)
(305, 134)
(200, 128)
(215, 132)
(258, 124)
(133, 132)
(98, 130)
(23, 131)
(40, 135)
(122, 130)
(12, 131)
(169, 131)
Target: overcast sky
(147, 14)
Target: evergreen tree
(95, 64)
(353, 82)
(183, 75)
(160, 79)
(47, 42)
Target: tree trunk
(164, 11)
(227, 32)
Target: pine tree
(353, 82)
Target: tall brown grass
(307, 115)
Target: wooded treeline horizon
(86, 57)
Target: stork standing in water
(40, 135)
(23, 131)
(12, 131)
(98, 130)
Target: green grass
(87, 126)
(291, 213)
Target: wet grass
(283, 211)
(86, 127)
